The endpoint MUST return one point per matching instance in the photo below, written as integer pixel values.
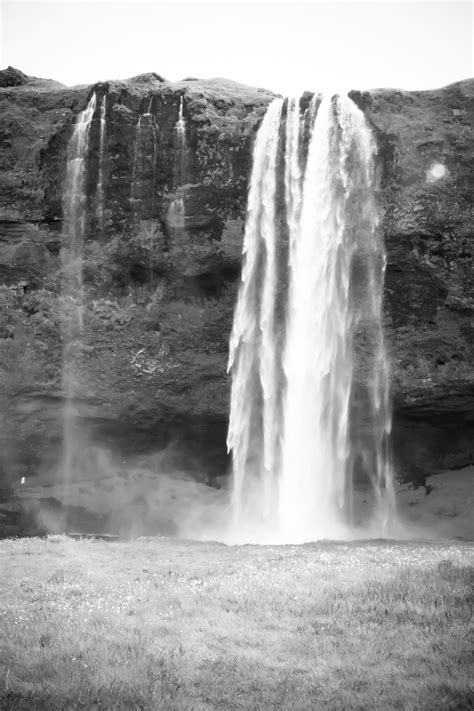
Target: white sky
(283, 46)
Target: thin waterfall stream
(142, 188)
(74, 210)
(180, 163)
(102, 153)
(177, 209)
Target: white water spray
(291, 432)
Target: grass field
(167, 624)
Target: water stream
(74, 212)
(143, 186)
(102, 153)
(304, 377)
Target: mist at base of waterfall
(109, 492)
(155, 494)
(212, 520)
(439, 510)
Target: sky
(283, 46)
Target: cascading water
(144, 162)
(176, 213)
(300, 375)
(74, 210)
(180, 162)
(254, 418)
(102, 149)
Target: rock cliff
(162, 264)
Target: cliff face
(162, 264)
(426, 197)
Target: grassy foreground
(166, 624)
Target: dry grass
(163, 624)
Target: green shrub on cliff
(125, 258)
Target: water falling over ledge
(298, 372)
(102, 157)
(74, 210)
(143, 185)
(177, 208)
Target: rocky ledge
(162, 264)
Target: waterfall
(177, 211)
(180, 162)
(181, 126)
(305, 375)
(253, 425)
(74, 211)
(102, 147)
(143, 186)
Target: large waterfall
(310, 412)
(74, 209)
